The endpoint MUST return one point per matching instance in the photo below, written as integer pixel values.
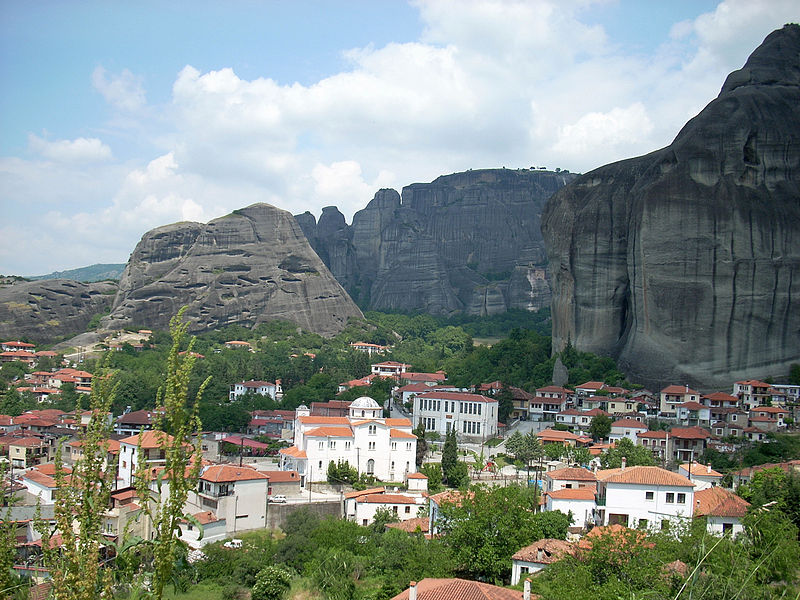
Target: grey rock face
(248, 267)
(468, 242)
(684, 264)
(53, 308)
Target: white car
(279, 499)
(234, 543)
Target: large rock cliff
(468, 242)
(47, 310)
(247, 267)
(685, 263)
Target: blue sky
(119, 117)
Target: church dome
(365, 402)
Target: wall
(277, 513)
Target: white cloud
(79, 150)
(488, 84)
(124, 91)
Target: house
(7, 424)
(283, 483)
(40, 481)
(213, 529)
(361, 507)
(520, 401)
(29, 451)
(17, 345)
(702, 475)
(722, 509)
(691, 414)
(720, 400)
(589, 388)
(569, 478)
(427, 378)
(390, 368)
(369, 349)
(642, 496)
(577, 419)
(334, 408)
(687, 443)
(773, 412)
(567, 438)
(124, 513)
(471, 415)
(458, 589)
(262, 388)
(626, 428)
(407, 393)
(618, 405)
(131, 423)
(580, 502)
(434, 505)
(537, 556)
(722, 429)
(152, 445)
(237, 494)
(378, 446)
(673, 395)
(752, 393)
(239, 345)
(746, 474)
(546, 408)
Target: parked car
(234, 543)
(279, 499)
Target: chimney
(687, 388)
(624, 463)
(412, 591)
(709, 468)
(526, 590)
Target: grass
(200, 591)
(494, 442)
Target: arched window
(370, 466)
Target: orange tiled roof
(417, 476)
(585, 493)
(397, 433)
(554, 434)
(359, 493)
(282, 476)
(149, 439)
(690, 433)
(643, 476)
(411, 525)
(718, 502)
(221, 473)
(313, 420)
(398, 422)
(678, 390)
(387, 499)
(701, 469)
(572, 474)
(629, 423)
(459, 589)
(206, 517)
(293, 451)
(544, 551)
(344, 432)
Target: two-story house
(262, 388)
(472, 416)
(674, 395)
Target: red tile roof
(282, 476)
(719, 502)
(411, 525)
(314, 420)
(397, 433)
(387, 499)
(222, 473)
(689, 433)
(656, 435)
(544, 551)
(571, 474)
(463, 397)
(293, 451)
(643, 476)
(629, 423)
(585, 493)
(459, 589)
(342, 432)
(149, 439)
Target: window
(347, 445)
(394, 509)
(321, 445)
(372, 445)
(320, 465)
(727, 528)
(681, 498)
(124, 464)
(392, 465)
(331, 444)
(373, 429)
(665, 525)
(670, 497)
(408, 510)
(370, 467)
(408, 445)
(649, 495)
(642, 523)
(394, 445)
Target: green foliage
(600, 427)
(455, 473)
(342, 472)
(794, 374)
(489, 525)
(525, 448)
(433, 471)
(422, 444)
(382, 517)
(79, 503)
(272, 583)
(774, 487)
(505, 404)
(634, 455)
(237, 566)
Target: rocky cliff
(685, 263)
(47, 310)
(468, 242)
(247, 267)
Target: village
(244, 486)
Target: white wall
(630, 499)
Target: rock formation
(468, 242)
(251, 266)
(684, 264)
(47, 310)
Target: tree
(634, 455)
(79, 504)
(600, 427)
(554, 451)
(505, 404)
(182, 454)
(449, 454)
(272, 583)
(433, 471)
(382, 517)
(525, 448)
(422, 444)
(489, 525)
(580, 455)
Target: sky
(117, 117)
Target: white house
(690, 414)
(626, 428)
(262, 388)
(673, 395)
(579, 501)
(389, 368)
(569, 478)
(702, 475)
(361, 507)
(213, 529)
(153, 444)
(237, 495)
(378, 446)
(642, 497)
(722, 509)
(537, 556)
(472, 416)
